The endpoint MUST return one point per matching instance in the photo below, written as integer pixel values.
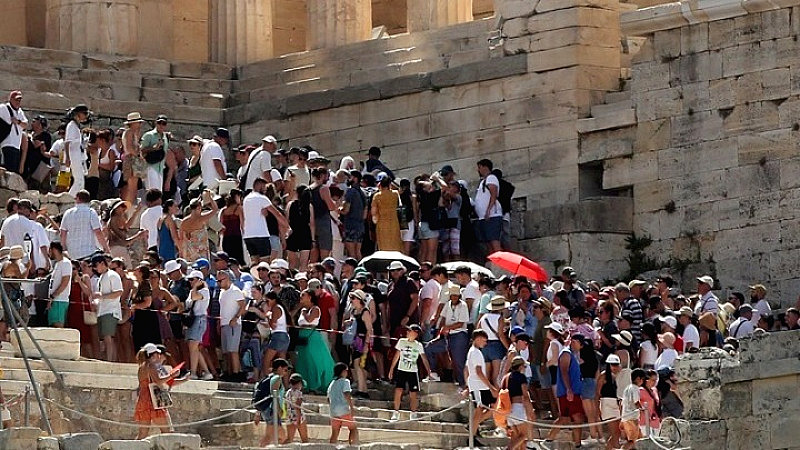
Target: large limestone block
(19, 438)
(573, 55)
(175, 441)
(125, 445)
(47, 443)
(14, 30)
(337, 22)
(94, 26)
(79, 441)
(432, 14)
(56, 343)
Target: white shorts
(517, 416)
(609, 408)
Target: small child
(408, 352)
(341, 405)
(631, 404)
(267, 408)
(294, 402)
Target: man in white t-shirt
(428, 295)
(231, 309)
(109, 308)
(453, 337)
(60, 287)
(40, 243)
(17, 226)
(483, 391)
(758, 300)
(213, 166)
(259, 162)
(256, 206)
(691, 337)
(489, 225)
(470, 291)
(11, 113)
(150, 217)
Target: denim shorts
(275, 244)
(493, 351)
(198, 329)
(589, 388)
(278, 341)
(489, 229)
(425, 232)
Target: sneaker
(395, 416)
(414, 415)
(208, 376)
(499, 433)
(433, 376)
(194, 377)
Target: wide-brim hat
(254, 270)
(196, 139)
(498, 303)
(134, 117)
(667, 339)
(707, 320)
(624, 337)
(16, 252)
(396, 265)
(117, 203)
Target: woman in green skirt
(313, 360)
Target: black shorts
(486, 399)
(403, 379)
(258, 246)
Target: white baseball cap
(396, 265)
(279, 264)
(149, 349)
(172, 266)
(555, 326)
(196, 274)
(269, 138)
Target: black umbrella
(379, 261)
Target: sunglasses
(263, 269)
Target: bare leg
(398, 397)
(111, 348)
(335, 433)
(414, 401)
(352, 438)
(305, 257)
(293, 260)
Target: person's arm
(325, 195)
(63, 234)
(438, 314)
(214, 209)
(24, 144)
(395, 360)
(376, 215)
(219, 168)
(492, 199)
(173, 231)
(172, 167)
(101, 238)
(242, 309)
(564, 362)
(485, 379)
(282, 222)
(411, 309)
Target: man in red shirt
(327, 304)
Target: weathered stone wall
(712, 156)
(747, 401)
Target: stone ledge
(646, 21)
(278, 109)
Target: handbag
(41, 172)
(160, 396)
(349, 334)
(89, 317)
(188, 317)
(63, 179)
(155, 156)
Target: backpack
(506, 192)
(5, 127)
(260, 392)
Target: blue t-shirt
(339, 404)
(574, 375)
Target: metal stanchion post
(14, 326)
(471, 430)
(275, 412)
(27, 406)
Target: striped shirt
(634, 307)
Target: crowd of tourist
(243, 275)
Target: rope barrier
(422, 416)
(138, 425)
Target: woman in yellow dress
(384, 216)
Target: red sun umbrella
(519, 265)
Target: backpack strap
(243, 181)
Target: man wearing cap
(258, 164)
(179, 288)
(453, 337)
(327, 306)
(151, 216)
(12, 114)
(691, 336)
(80, 229)
(575, 294)
(743, 325)
(758, 301)
(155, 145)
(708, 301)
(280, 161)
(403, 298)
(232, 307)
(109, 310)
(212, 159)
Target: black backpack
(506, 192)
(262, 391)
(5, 127)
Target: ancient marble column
(94, 26)
(337, 22)
(241, 31)
(432, 14)
(14, 29)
